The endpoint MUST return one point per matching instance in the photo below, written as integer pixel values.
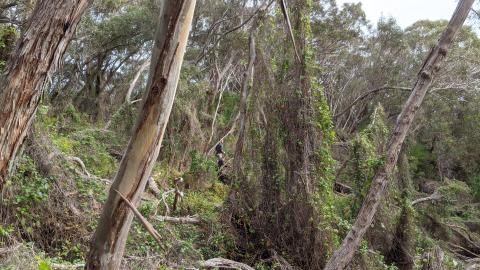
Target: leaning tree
(344, 254)
(108, 243)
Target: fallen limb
(59, 266)
(224, 264)
(180, 220)
(464, 249)
(84, 171)
(80, 162)
(434, 197)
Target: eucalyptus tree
(428, 71)
(38, 54)
(110, 237)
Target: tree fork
(344, 254)
(108, 243)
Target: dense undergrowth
(49, 221)
(303, 139)
(29, 202)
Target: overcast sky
(406, 12)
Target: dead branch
(434, 197)
(81, 163)
(149, 227)
(178, 192)
(232, 129)
(289, 26)
(84, 171)
(368, 93)
(224, 264)
(464, 249)
(164, 197)
(134, 82)
(180, 220)
(60, 266)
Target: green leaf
(43, 265)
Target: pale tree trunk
(344, 254)
(37, 55)
(246, 85)
(108, 243)
(128, 95)
(247, 82)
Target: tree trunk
(128, 95)
(247, 84)
(108, 243)
(237, 158)
(38, 54)
(343, 255)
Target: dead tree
(37, 55)
(108, 243)
(344, 254)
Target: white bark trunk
(128, 95)
(108, 244)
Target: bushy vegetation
(319, 113)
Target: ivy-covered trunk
(108, 244)
(37, 55)
(307, 129)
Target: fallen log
(224, 264)
(180, 220)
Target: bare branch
(434, 197)
(149, 227)
(224, 264)
(289, 26)
(180, 220)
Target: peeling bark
(344, 254)
(37, 55)
(108, 243)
